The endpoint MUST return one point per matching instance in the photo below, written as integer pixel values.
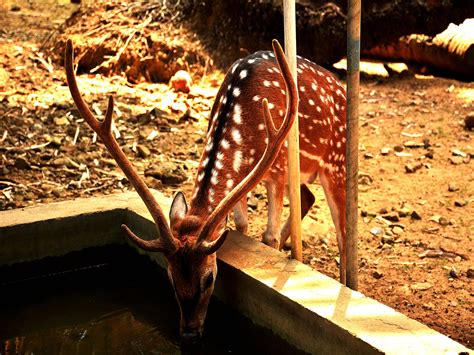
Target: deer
(243, 147)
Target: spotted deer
(322, 136)
(243, 143)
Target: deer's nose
(190, 337)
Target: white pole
(289, 16)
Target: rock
(458, 153)
(421, 286)
(397, 230)
(168, 172)
(404, 211)
(429, 154)
(143, 151)
(429, 306)
(386, 239)
(386, 246)
(444, 221)
(4, 171)
(469, 121)
(415, 215)
(460, 203)
(15, 8)
(413, 144)
(62, 162)
(456, 160)
(61, 121)
(453, 273)
(392, 216)
(56, 192)
(22, 163)
(181, 81)
(470, 273)
(252, 202)
(56, 141)
(385, 151)
(411, 168)
(368, 155)
(377, 274)
(453, 187)
(398, 148)
(383, 210)
(376, 231)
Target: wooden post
(352, 147)
(289, 16)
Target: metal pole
(352, 119)
(289, 16)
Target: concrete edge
(308, 309)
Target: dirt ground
(416, 195)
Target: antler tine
(166, 242)
(276, 137)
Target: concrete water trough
(308, 310)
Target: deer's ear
(179, 208)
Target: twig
(23, 149)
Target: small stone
(453, 303)
(386, 246)
(22, 163)
(4, 171)
(415, 215)
(385, 151)
(36, 127)
(429, 154)
(429, 306)
(398, 148)
(460, 203)
(376, 231)
(470, 273)
(15, 8)
(377, 274)
(469, 121)
(61, 121)
(56, 141)
(404, 211)
(368, 155)
(456, 160)
(413, 144)
(383, 210)
(56, 192)
(392, 216)
(397, 230)
(411, 168)
(61, 162)
(252, 202)
(386, 239)
(143, 151)
(458, 153)
(421, 286)
(453, 187)
(444, 221)
(168, 172)
(453, 273)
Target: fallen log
(449, 53)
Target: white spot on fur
(266, 83)
(237, 114)
(236, 136)
(236, 92)
(243, 74)
(225, 144)
(256, 98)
(237, 160)
(311, 102)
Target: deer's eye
(207, 282)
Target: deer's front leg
(241, 216)
(275, 191)
(307, 201)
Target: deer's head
(193, 235)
